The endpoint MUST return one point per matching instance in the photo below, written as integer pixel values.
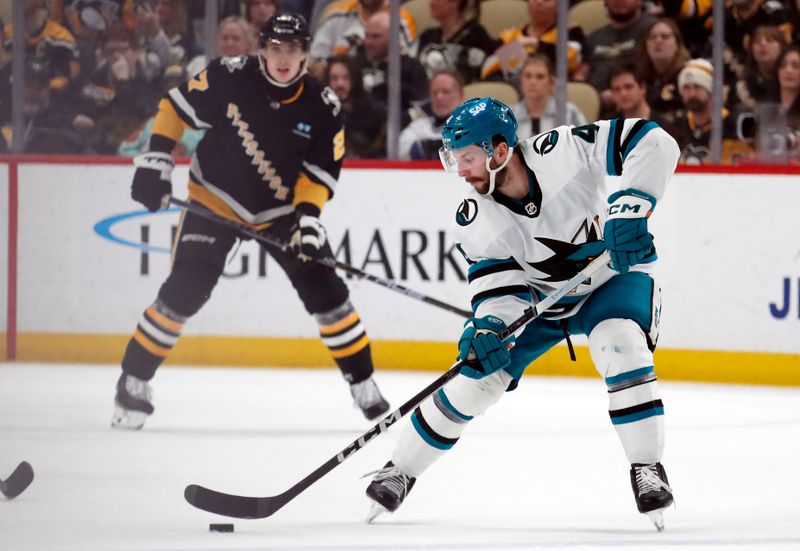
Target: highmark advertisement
(90, 259)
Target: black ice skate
(651, 490)
(367, 397)
(388, 489)
(133, 403)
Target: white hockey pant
(438, 422)
(620, 354)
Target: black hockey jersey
(262, 153)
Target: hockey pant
(621, 320)
(201, 248)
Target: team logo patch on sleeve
(467, 212)
(544, 143)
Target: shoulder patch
(544, 143)
(467, 212)
(331, 99)
(233, 63)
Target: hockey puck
(220, 527)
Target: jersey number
(587, 132)
(199, 82)
(338, 145)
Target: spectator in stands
(234, 37)
(758, 78)
(659, 59)
(49, 44)
(536, 111)
(538, 34)
(258, 11)
(342, 30)
(156, 49)
(630, 97)
(5, 89)
(693, 128)
(693, 18)
(613, 44)
(372, 58)
(744, 16)
(458, 43)
(118, 96)
(47, 124)
(173, 21)
(364, 117)
(788, 94)
(422, 138)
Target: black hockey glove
(152, 179)
(308, 237)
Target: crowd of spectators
(95, 70)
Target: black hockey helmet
(285, 27)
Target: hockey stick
(261, 507)
(327, 261)
(16, 483)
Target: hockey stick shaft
(262, 507)
(327, 261)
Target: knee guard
(437, 424)
(620, 353)
(189, 285)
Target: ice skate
(368, 398)
(132, 403)
(651, 490)
(388, 489)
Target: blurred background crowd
(95, 69)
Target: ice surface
(542, 470)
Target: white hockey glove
(308, 237)
(152, 179)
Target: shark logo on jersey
(569, 258)
(544, 143)
(467, 212)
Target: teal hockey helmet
(477, 121)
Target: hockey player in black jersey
(270, 159)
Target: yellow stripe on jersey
(354, 348)
(200, 194)
(346, 322)
(167, 122)
(308, 191)
(149, 345)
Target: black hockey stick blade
(222, 504)
(20, 479)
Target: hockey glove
(152, 179)
(308, 237)
(625, 231)
(481, 349)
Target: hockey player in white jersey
(537, 213)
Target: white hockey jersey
(521, 251)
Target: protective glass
(469, 158)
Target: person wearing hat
(693, 125)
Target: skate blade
(375, 510)
(128, 419)
(658, 519)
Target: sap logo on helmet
(544, 143)
(467, 212)
(474, 110)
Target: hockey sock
(156, 333)
(636, 410)
(341, 331)
(436, 425)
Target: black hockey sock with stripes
(156, 334)
(342, 332)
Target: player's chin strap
(493, 173)
(263, 66)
